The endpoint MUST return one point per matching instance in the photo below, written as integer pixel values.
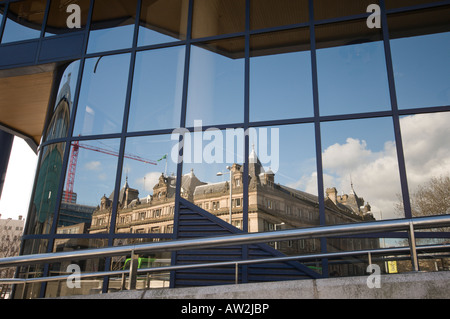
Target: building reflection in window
(47, 186)
(112, 25)
(24, 21)
(59, 124)
(157, 89)
(146, 202)
(102, 95)
(216, 83)
(90, 176)
(360, 168)
(162, 21)
(209, 158)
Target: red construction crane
(68, 196)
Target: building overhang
(25, 95)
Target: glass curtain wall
(291, 115)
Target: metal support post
(412, 246)
(236, 273)
(134, 263)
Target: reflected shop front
(252, 115)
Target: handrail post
(134, 263)
(412, 247)
(236, 273)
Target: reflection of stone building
(271, 207)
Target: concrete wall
(421, 285)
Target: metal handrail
(234, 239)
(390, 251)
(252, 238)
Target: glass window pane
(147, 197)
(273, 13)
(420, 57)
(89, 185)
(427, 158)
(208, 159)
(280, 79)
(215, 17)
(102, 96)
(283, 181)
(24, 20)
(42, 208)
(360, 170)
(162, 21)
(327, 9)
(60, 21)
(351, 69)
(157, 89)
(216, 83)
(2, 11)
(59, 124)
(112, 26)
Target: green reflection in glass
(44, 199)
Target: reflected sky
(352, 79)
(422, 70)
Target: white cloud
(93, 165)
(375, 175)
(151, 179)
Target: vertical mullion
(182, 133)
(395, 113)
(323, 241)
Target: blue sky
(351, 79)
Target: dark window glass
(102, 96)
(112, 26)
(24, 20)
(351, 69)
(65, 17)
(157, 89)
(89, 185)
(216, 83)
(273, 13)
(162, 21)
(216, 17)
(360, 170)
(280, 75)
(420, 42)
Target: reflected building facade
(338, 108)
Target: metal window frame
(394, 113)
